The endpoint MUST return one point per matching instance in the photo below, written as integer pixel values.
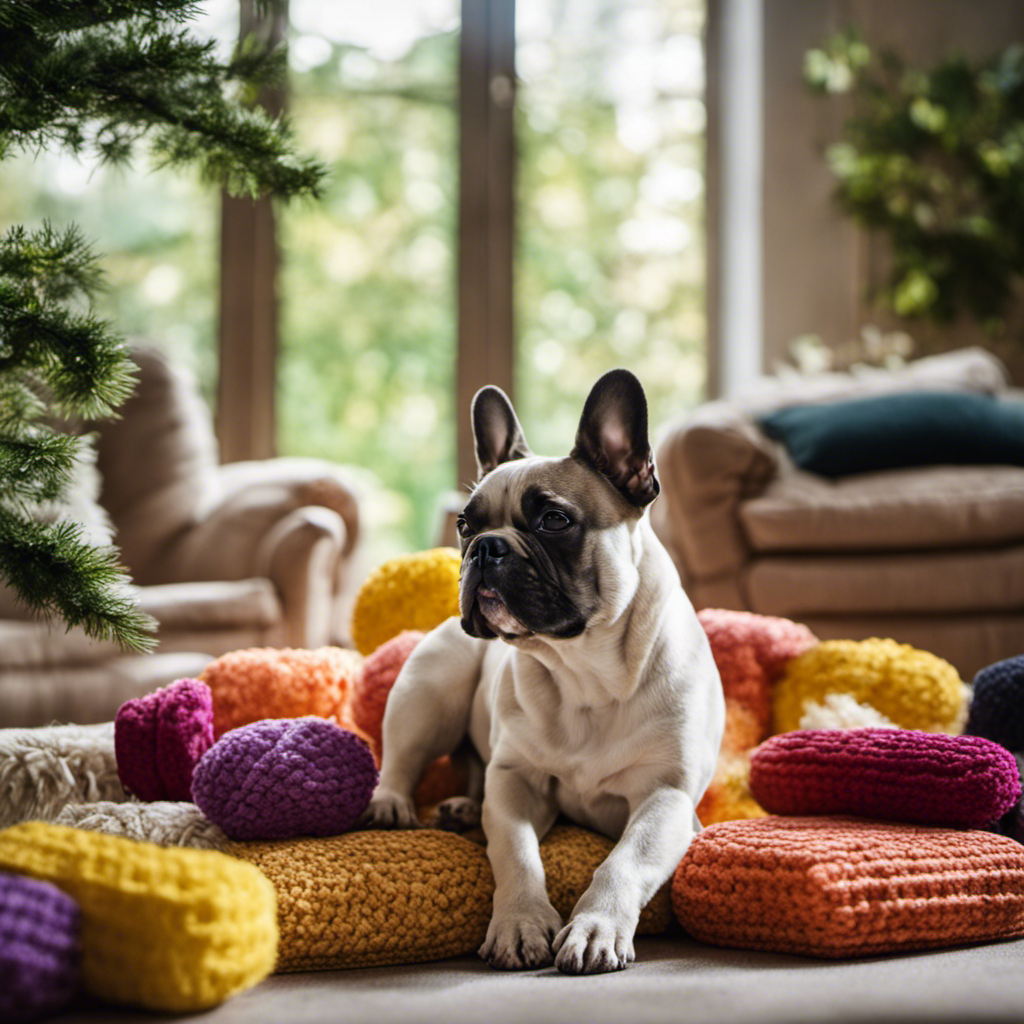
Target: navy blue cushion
(923, 428)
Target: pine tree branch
(111, 86)
(55, 573)
(35, 466)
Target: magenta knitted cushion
(39, 949)
(894, 774)
(159, 738)
(285, 777)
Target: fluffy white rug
(44, 770)
(163, 822)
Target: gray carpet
(674, 981)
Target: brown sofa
(930, 556)
(225, 556)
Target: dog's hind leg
(427, 716)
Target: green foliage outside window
(934, 161)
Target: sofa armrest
(228, 539)
(708, 464)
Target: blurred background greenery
(609, 270)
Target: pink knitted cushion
(377, 675)
(159, 738)
(896, 774)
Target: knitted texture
(836, 887)
(38, 948)
(371, 898)
(164, 929)
(841, 711)
(265, 682)
(43, 770)
(283, 778)
(750, 651)
(372, 685)
(414, 591)
(164, 822)
(997, 706)
(896, 774)
(159, 738)
(571, 856)
(912, 688)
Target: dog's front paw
(518, 941)
(593, 944)
(457, 814)
(388, 809)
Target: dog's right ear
(499, 437)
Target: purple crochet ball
(38, 948)
(285, 777)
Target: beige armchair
(930, 556)
(225, 556)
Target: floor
(674, 981)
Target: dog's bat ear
(612, 436)
(499, 437)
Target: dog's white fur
(618, 728)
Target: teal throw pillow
(922, 428)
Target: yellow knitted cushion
(571, 856)
(369, 898)
(416, 591)
(167, 929)
(912, 688)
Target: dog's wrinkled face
(545, 542)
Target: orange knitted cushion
(834, 887)
(266, 682)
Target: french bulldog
(580, 673)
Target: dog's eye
(552, 521)
(463, 527)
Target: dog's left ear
(612, 436)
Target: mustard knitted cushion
(571, 855)
(415, 591)
(370, 898)
(912, 688)
(166, 929)
(835, 887)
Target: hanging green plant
(933, 160)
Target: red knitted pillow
(835, 887)
(896, 774)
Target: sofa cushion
(973, 580)
(889, 431)
(931, 507)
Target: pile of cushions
(284, 884)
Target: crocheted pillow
(159, 738)
(372, 685)
(175, 930)
(266, 682)
(835, 887)
(571, 855)
(896, 774)
(285, 777)
(997, 704)
(370, 898)
(414, 591)
(38, 948)
(912, 688)
(750, 651)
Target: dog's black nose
(491, 548)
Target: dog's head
(546, 543)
